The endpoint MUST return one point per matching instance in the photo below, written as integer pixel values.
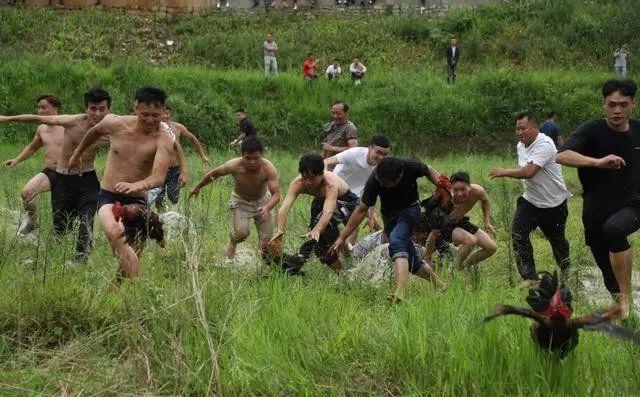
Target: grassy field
(190, 322)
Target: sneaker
(227, 4)
(422, 9)
(218, 5)
(295, 7)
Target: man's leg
(487, 248)
(171, 183)
(239, 226)
(274, 66)
(616, 229)
(62, 204)
(600, 253)
(465, 242)
(36, 185)
(267, 64)
(264, 226)
(400, 244)
(129, 263)
(524, 221)
(86, 211)
(553, 222)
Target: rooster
(553, 328)
(438, 206)
(139, 222)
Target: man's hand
(129, 188)
(233, 143)
(262, 211)
(313, 234)
(194, 192)
(9, 163)
(489, 228)
(372, 222)
(274, 246)
(497, 173)
(338, 246)
(611, 162)
(183, 179)
(206, 161)
(75, 163)
(327, 147)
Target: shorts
(136, 229)
(51, 175)
(465, 224)
(242, 210)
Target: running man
(606, 151)
(460, 231)
(74, 195)
(355, 165)
(139, 156)
(332, 204)
(255, 194)
(395, 182)
(177, 174)
(48, 137)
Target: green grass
(61, 331)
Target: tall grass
(278, 335)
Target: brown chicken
(553, 328)
(139, 222)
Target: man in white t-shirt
(544, 202)
(355, 165)
(334, 70)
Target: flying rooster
(139, 222)
(553, 328)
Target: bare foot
(394, 298)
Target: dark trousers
(608, 234)
(451, 73)
(75, 197)
(170, 187)
(344, 208)
(552, 222)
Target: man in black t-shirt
(246, 127)
(607, 153)
(395, 182)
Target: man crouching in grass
(255, 193)
(395, 181)
(333, 203)
(139, 156)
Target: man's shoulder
(350, 126)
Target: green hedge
(419, 111)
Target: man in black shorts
(607, 155)
(395, 181)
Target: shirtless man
(139, 156)
(177, 174)
(464, 234)
(47, 137)
(255, 193)
(333, 203)
(75, 192)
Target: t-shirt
(354, 168)
(333, 71)
(546, 189)
(339, 135)
(401, 196)
(621, 59)
(551, 129)
(308, 68)
(246, 126)
(269, 48)
(605, 191)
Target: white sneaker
(422, 9)
(218, 5)
(227, 4)
(295, 6)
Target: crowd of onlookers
(284, 4)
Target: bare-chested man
(177, 174)
(75, 192)
(333, 204)
(464, 234)
(255, 193)
(139, 156)
(49, 138)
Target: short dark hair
(97, 95)
(151, 96)
(380, 140)
(240, 110)
(52, 99)
(389, 169)
(626, 87)
(250, 145)
(309, 54)
(460, 176)
(528, 114)
(345, 107)
(551, 114)
(311, 164)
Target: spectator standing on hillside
(246, 127)
(622, 57)
(270, 63)
(340, 133)
(357, 70)
(334, 71)
(551, 128)
(453, 56)
(310, 68)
